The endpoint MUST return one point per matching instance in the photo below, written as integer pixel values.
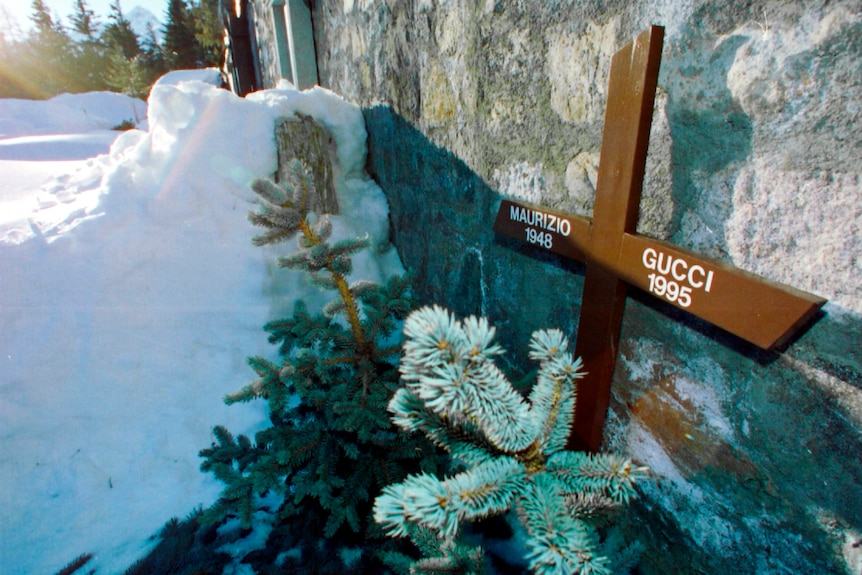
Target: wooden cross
(760, 311)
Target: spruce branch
(270, 192)
(513, 449)
(441, 556)
(592, 506)
(625, 555)
(284, 213)
(273, 385)
(610, 474)
(448, 365)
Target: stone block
(303, 138)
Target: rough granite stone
(578, 66)
(302, 138)
(755, 159)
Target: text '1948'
(541, 225)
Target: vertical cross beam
(631, 95)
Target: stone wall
(755, 159)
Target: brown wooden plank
(631, 94)
(567, 234)
(759, 311)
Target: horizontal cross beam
(758, 310)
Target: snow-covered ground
(130, 296)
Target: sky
(20, 10)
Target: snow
(142, 21)
(68, 114)
(130, 296)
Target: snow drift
(130, 296)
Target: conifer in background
(133, 64)
(209, 31)
(10, 29)
(90, 51)
(118, 34)
(330, 447)
(181, 47)
(152, 56)
(41, 17)
(122, 51)
(51, 59)
(84, 22)
(48, 54)
(12, 83)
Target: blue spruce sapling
(330, 447)
(513, 450)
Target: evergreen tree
(118, 34)
(41, 17)
(152, 56)
(181, 46)
(84, 22)
(124, 74)
(135, 76)
(331, 446)
(91, 59)
(12, 80)
(48, 56)
(209, 31)
(128, 75)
